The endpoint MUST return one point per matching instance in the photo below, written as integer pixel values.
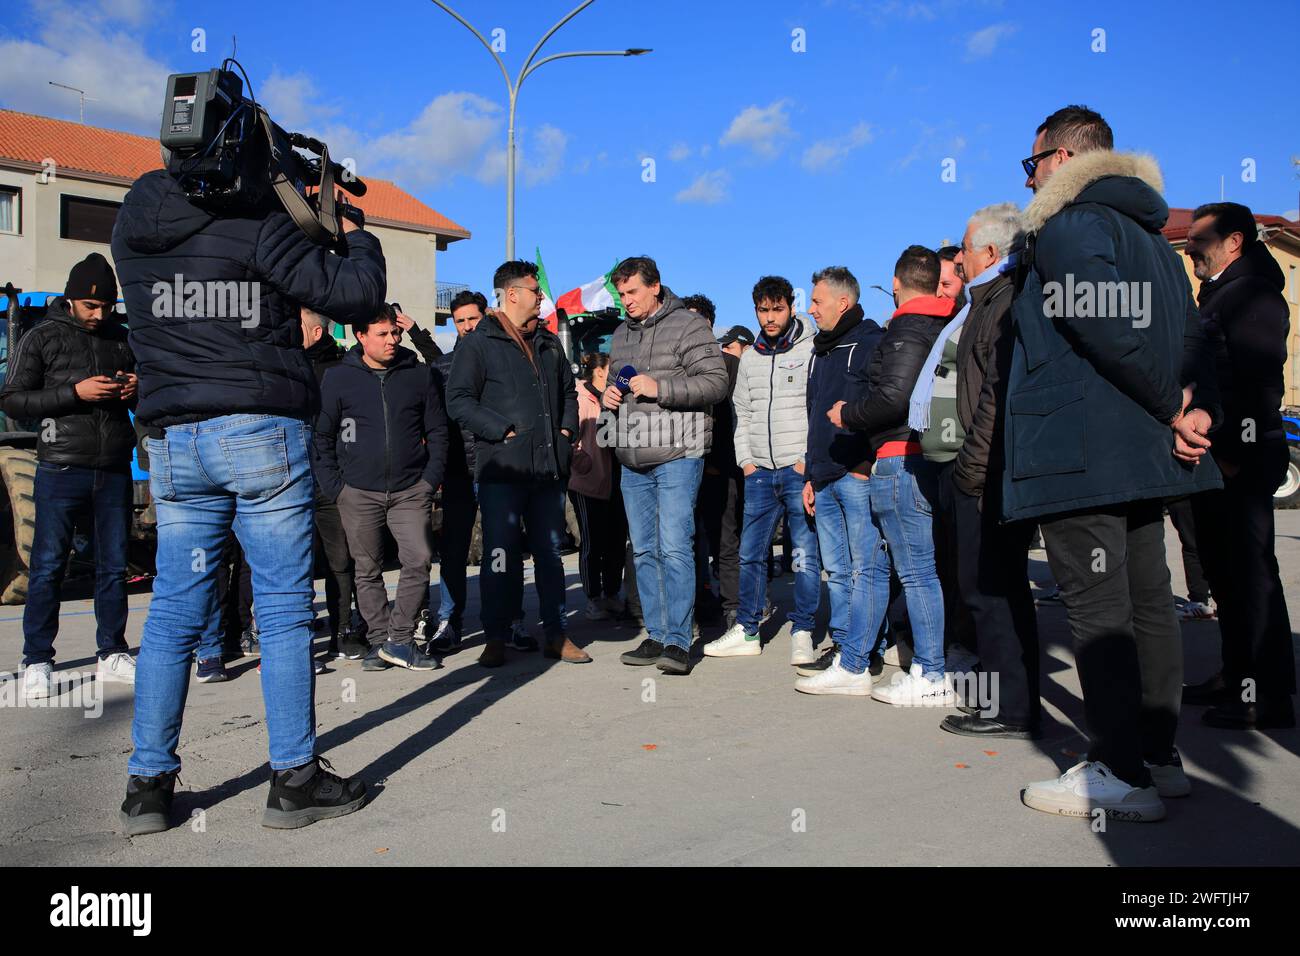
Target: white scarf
(918, 416)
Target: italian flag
(594, 296)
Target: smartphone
(122, 378)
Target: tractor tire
(17, 521)
(1288, 493)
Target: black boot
(305, 794)
(148, 803)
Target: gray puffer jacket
(771, 399)
(676, 348)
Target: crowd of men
(909, 461)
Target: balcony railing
(446, 292)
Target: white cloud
(86, 46)
(709, 188)
(1292, 214)
(983, 43)
(293, 100)
(762, 128)
(829, 153)
(679, 152)
(543, 158)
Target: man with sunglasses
(1109, 399)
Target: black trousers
(993, 578)
(332, 541)
(1184, 520)
(1110, 565)
(234, 595)
(720, 514)
(958, 625)
(604, 542)
(1234, 528)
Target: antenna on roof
(84, 97)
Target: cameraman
(228, 400)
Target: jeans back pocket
(259, 464)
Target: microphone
(623, 381)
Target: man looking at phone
(72, 380)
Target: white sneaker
(836, 680)
(119, 667)
(1169, 778)
(597, 611)
(958, 660)
(899, 654)
(914, 689)
(36, 681)
(1195, 611)
(735, 643)
(801, 649)
(1090, 786)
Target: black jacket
(494, 389)
(324, 355)
(891, 376)
(39, 390)
(1090, 397)
(983, 362)
(721, 456)
(837, 372)
(198, 367)
(379, 434)
(423, 342)
(1246, 320)
(460, 447)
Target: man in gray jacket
(674, 376)
(771, 414)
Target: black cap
(92, 278)
(737, 333)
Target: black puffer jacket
(379, 434)
(892, 374)
(494, 389)
(460, 447)
(40, 387)
(195, 368)
(1246, 320)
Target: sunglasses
(1032, 162)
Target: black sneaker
(823, 662)
(148, 803)
(305, 794)
(409, 655)
(445, 640)
(520, 639)
(351, 646)
(250, 642)
(421, 633)
(630, 616)
(674, 660)
(647, 653)
(373, 662)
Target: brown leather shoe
(494, 654)
(567, 651)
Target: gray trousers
(406, 514)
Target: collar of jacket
(592, 391)
(667, 303)
(978, 293)
(324, 350)
(404, 359)
(824, 341)
(490, 325)
(930, 305)
(60, 310)
(1081, 172)
(1256, 261)
(792, 334)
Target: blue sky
(766, 160)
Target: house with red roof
(61, 185)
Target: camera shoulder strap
(319, 224)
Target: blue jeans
(459, 506)
(851, 551)
(102, 499)
(660, 503)
(901, 512)
(501, 574)
(768, 495)
(249, 472)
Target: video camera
(227, 153)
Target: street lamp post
(513, 88)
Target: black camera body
(226, 153)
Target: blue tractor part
(1288, 493)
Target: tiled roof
(126, 156)
(1180, 224)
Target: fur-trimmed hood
(1134, 187)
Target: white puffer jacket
(771, 402)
